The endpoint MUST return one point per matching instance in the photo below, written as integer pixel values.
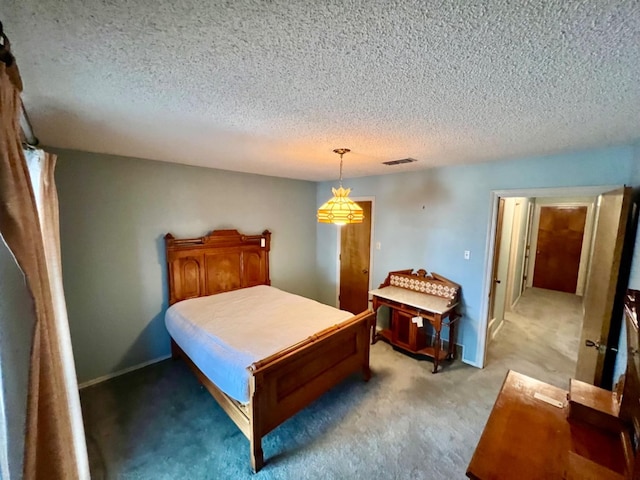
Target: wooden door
(559, 247)
(355, 250)
(602, 281)
(496, 256)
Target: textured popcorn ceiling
(273, 87)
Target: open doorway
(510, 254)
(540, 243)
(536, 318)
(519, 221)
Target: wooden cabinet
(405, 333)
(417, 300)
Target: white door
(602, 280)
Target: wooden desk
(528, 438)
(405, 304)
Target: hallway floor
(541, 336)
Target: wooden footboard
(288, 381)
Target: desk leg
(436, 347)
(374, 334)
(452, 338)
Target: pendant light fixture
(340, 209)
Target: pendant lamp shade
(340, 210)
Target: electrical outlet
(467, 254)
(378, 245)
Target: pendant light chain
(341, 152)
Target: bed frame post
(175, 350)
(255, 438)
(371, 325)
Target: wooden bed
(286, 382)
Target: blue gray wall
(635, 173)
(427, 219)
(114, 212)
(17, 319)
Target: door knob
(365, 271)
(601, 347)
(591, 343)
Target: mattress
(223, 334)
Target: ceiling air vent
(400, 162)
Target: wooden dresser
(536, 430)
(416, 299)
(529, 436)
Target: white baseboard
(514, 304)
(103, 378)
(494, 333)
(490, 329)
(497, 330)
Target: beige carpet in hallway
(540, 336)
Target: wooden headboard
(222, 261)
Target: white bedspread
(225, 333)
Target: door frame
(518, 219)
(371, 247)
(526, 257)
(495, 266)
(494, 196)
